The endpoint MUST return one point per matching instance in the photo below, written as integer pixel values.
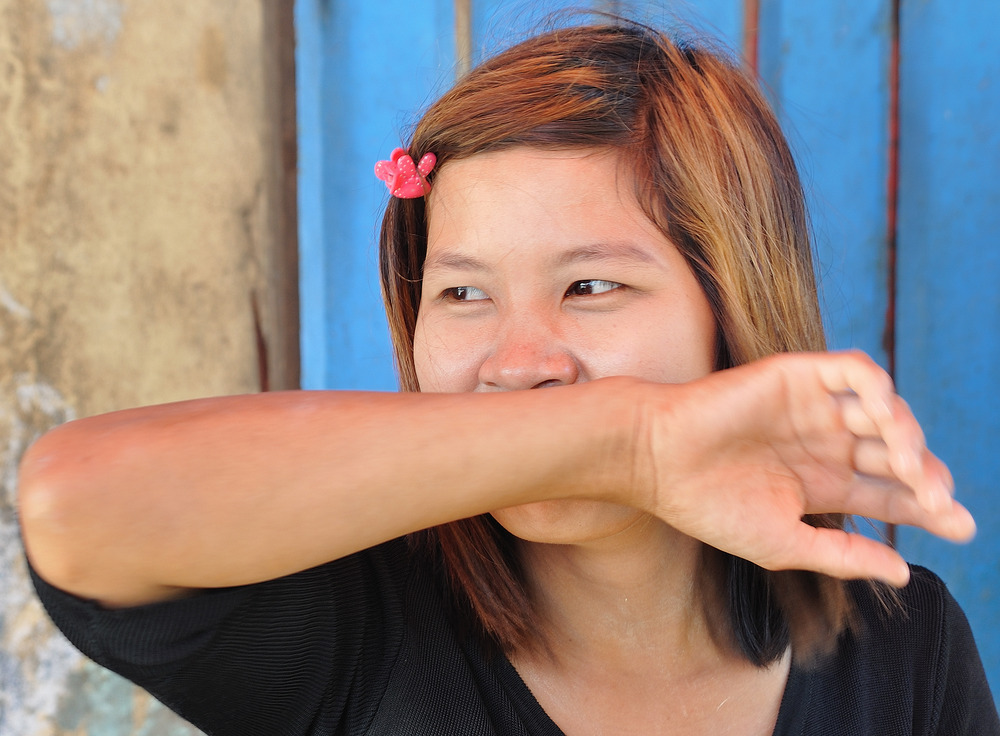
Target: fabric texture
(364, 645)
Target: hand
(745, 453)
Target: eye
(591, 286)
(464, 294)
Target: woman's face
(542, 271)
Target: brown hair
(713, 172)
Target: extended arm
(140, 505)
(137, 505)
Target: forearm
(131, 506)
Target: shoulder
(909, 665)
(344, 587)
(924, 607)
(906, 635)
(232, 656)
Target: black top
(363, 645)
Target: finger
(854, 372)
(893, 502)
(856, 419)
(870, 407)
(871, 457)
(907, 450)
(877, 498)
(933, 479)
(954, 523)
(905, 443)
(929, 478)
(891, 417)
(951, 520)
(860, 422)
(846, 555)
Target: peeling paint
(36, 663)
(76, 22)
(10, 304)
(128, 143)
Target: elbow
(48, 505)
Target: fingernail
(935, 502)
(904, 575)
(901, 577)
(881, 408)
(905, 462)
(949, 482)
(938, 499)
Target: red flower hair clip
(403, 178)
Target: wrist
(626, 468)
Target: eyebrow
(453, 261)
(606, 253)
(590, 253)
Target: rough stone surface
(135, 222)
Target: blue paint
(948, 329)
(499, 24)
(76, 22)
(826, 69)
(312, 261)
(716, 20)
(363, 76)
(826, 65)
(365, 73)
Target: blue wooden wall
(948, 311)
(366, 69)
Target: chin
(567, 521)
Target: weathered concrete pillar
(146, 241)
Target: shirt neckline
(791, 712)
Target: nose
(528, 353)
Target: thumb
(847, 555)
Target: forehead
(548, 198)
(525, 172)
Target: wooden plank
(365, 72)
(948, 329)
(825, 65)
(280, 361)
(312, 285)
(499, 24)
(362, 76)
(716, 19)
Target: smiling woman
(653, 544)
(565, 281)
(536, 262)
(659, 158)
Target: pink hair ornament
(403, 178)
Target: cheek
(445, 360)
(424, 364)
(703, 341)
(672, 342)
(693, 335)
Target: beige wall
(142, 208)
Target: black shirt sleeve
(910, 668)
(280, 657)
(966, 705)
(363, 645)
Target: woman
(614, 217)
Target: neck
(629, 600)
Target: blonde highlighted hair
(713, 172)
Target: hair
(713, 172)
